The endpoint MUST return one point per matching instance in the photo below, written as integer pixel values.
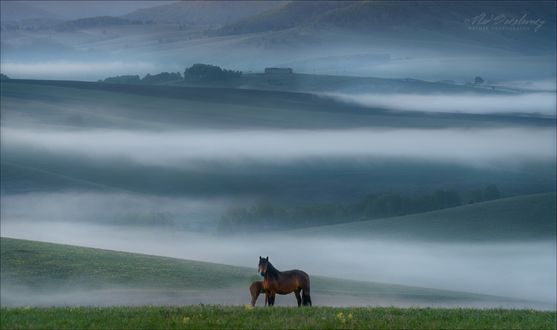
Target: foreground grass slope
(529, 217)
(220, 317)
(37, 264)
(43, 267)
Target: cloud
(534, 103)
(184, 148)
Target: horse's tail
(306, 298)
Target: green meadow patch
(219, 317)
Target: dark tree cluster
(162, 77)
(148, 79)
(206, 72)
(125, 79)
(195, 73)
(264, 215)
(4, 77)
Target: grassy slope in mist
(301, 82)
(218, 317)
(45, 266)
(231, 107)
(530, 217)
(78, 105)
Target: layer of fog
(524, 270)
(13, 295)
(152, 58)
(533, 103)
(183, 148)
(116, 208)
(78, 70)
(465, 68)
(166, 48)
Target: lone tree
(478, 80)
(207, 72)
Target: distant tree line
(206, 72)
(264, 215)
(4, 77)
(195, 73)
(148, 79)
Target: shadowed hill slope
(530, 217)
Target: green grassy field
(529, 217)
(276, 318)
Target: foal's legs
(254, 298)
(298, 297)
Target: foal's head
(263, 264)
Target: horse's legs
(306, 298)
(271, 299)
(298, 297)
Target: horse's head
(263, 263)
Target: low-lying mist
(531, 103)
(184, 148)
(115, 208)
(76, 70)
(524, 270)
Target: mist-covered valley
(403, 161)
(98, 179)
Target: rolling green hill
(382, 20)
(202, 13)
(94, 105)
(101, 104)
(70, 105)
(316, 83)
(530, 217)
(46, 274)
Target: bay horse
(255, 289)
(275, 281)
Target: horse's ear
(260, 258)
(267, 258)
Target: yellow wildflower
(340, 317)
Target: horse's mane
(272, 272)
